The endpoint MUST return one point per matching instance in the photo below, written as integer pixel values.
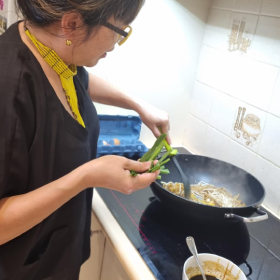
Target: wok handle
(263, 216)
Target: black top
(39, 143)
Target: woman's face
(103, 40)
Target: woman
(49, 130)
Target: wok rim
(255, 205)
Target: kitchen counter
(128, 256)
(150, 244)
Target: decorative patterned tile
(216, 144)
(270, 144)
(216, 30)
(266, 43)
(248, 6)
(269, 175)
(238, 76)
(240, 156)
(248, 126)
(275, 101)
(194, 138)
(222, 4)
(202, 101)
(242, 28)
(271, 7)
(222, 115)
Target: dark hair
(93, 12)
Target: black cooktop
(159, 236)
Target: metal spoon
(185, 179)
(192, 248)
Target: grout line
(241, 55)
(234, 141)
(274, 90)
(246, 103)
(222, 9)
(103, 256)
(268, 15)
(260, 13)
(243, 12)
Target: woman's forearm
(20, 213)
(103, 92)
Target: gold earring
(68, 42)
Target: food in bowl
(199, 277)
(213, 271)
(214, 267)
(206, 194)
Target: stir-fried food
(206, 194)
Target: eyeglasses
(123, 33)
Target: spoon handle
(192, 248)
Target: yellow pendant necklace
(65, 73)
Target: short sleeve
(16, 134)
(13, 156)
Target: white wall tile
(216, 144)
(213, 68)
(240, 156)
(160, 67)
(245, 79)
(248, 6)
(275, 101)
(222, 4)
(269, 175)
(202, 101)
(194, 137)
(266, 43)
(250, 130)
(270, 142)
(216, 31)
(222, 115)
(271, 7)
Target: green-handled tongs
(185, 179)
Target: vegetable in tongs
(153, 153)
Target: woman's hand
(113, 172)
(102, 92)
(154, 118)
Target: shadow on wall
(194, 7)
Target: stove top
(160, 237)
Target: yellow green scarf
(65, 73)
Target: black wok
(220, 174)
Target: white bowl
(227, 264)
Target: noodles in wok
(206, 194)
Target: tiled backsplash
(235, 109)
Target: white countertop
(129, 257)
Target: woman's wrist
(138, 105)
(80, 174)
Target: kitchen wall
(235, 107)
(158, 63)
(3, 16)
(7, 14)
